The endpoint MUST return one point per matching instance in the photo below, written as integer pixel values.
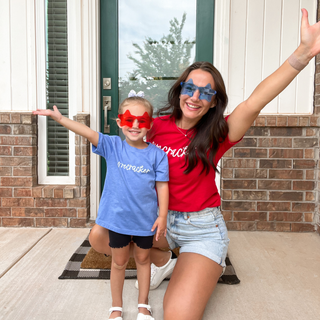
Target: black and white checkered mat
(73, 269)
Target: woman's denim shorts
(203, 232)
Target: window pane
(57, 86)
(155, 45)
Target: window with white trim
(56, 144)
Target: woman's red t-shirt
(194, 191)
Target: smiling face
(134, 135)
(193, 108)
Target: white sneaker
(158, 274)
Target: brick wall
(270, 179)
(24, 203)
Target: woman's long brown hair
(212, 128)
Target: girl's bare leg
(99, 240)
(190, 288)
(142, 259)
(120, 258)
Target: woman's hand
(161, 225)
(310, 39)
(54, 114)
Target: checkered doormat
(73, 269)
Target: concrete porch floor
(279, 273)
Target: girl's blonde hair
(131, 100)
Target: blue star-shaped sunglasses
(206, 93)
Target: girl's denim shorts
(203, 232)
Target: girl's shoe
(142, 316)
(115, 309)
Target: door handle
(106, 108)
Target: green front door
(145, 45)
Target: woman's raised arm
(246, 112)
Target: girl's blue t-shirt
(129, 203)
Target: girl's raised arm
(246, 112)
(74, 126)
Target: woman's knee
(142, 256)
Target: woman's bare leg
(157, 256)
(190, 287)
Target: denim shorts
(203, 232)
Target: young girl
(128, 205)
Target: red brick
(17, 202)
(239, 163)
(23, 192)
(24, 151)
(47, 202)
(305, 142)
(18, 212)
(276, 164)
(275, 142)
(226, 194)
(309, 153)
(250, 153)
(286, 174)
(247, 142)
(283, 227)
(260, 121)
(303, 206)
(48, 192)
(250, 216)
(5, 192)
(23, 171)
(279, 195)
(24, 129)
(82, 203)
(227, 173)
(16, 161)
(310, 174)
(5, 212)
(282, 121)
(308, 217)
(5, 150)
(239, 184)
(304, 121)
(273, 206)
(5, 129)
(293, 121)
(254, 131)
(285, 216)
(286, 153)
(34, 212)
(58, 193)
(310, 132)
(303, 185)
(15, 118)
(17, 222)
(4, 117)
(310, 196)
(58, 212)
(16, 182)
(271, 121)
(227, 215)
(249, 195)
(266, 226)
(304, 164)
(239, 205)
(274, 184)
(229, 153)
(52, 222)
(83, 213)
(289, 132)
(78, 223)
(241, 226)
(302, 227)
(5, 171)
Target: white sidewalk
(279, 273)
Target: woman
(195, 136)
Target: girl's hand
(54, 114)
(161, 225)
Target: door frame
(109, 54)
